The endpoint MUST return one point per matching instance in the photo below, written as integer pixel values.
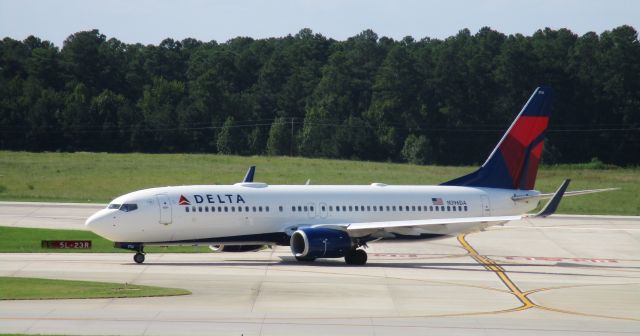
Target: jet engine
(236, 248)
(310, 243)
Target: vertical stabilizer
(513, 164)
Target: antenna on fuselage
(249, 176)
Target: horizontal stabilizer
(540, 197)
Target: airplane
(337, 221)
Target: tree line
(368, 97)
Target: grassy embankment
(15, 288)
(99, 177)
(26, 240)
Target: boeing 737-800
(335, 221)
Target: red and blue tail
(513, 164)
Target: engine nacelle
(320, 243)
(236, 248)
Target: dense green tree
(279, 141)
(368, 97)
(417, 150)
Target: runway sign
(66, 244)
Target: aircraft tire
(356, 257)
(138, 258)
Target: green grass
(14, 288)
(24, 240)
(100, 177)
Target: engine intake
(320, 243)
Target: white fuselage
(254, 212)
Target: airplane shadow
(438, 266)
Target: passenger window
(387, 208)
(239, 209)
(186, 209)
(199, 209)
(459, 207)
(233, 209)
(331, 208)
(399, 207)
(350, 208)
(413, 208)
(306, 209)
(338, 208)
(453, 208)
(213, 209)
(448, 208)
(260, 208)
(437, 208)
(293, 208)
(393, 208)
(206, 209)
(299, 208)
(280, 208)
(356, 208)
(465, 208)
(431, 208)
(219, 209)
(266, 209)
(419, 207)
(323, 208)
(254, 208)
(226, 209)
(344, 208)
(311, 208)
(193, 208)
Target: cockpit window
(129, 207)
(113, 206)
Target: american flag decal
(437, 201)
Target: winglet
(249, 176)
(553, 203)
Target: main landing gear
(356, 257)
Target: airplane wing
(419, 226)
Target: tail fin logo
(513, 164)
(183, 201)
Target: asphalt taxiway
(564, 275)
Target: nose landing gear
(137, 247)
(138, 258)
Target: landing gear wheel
(356, 257)
(138, 258)
(307, 259)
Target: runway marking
(491, 265)
(561, 228)
(580, 260)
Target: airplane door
(165, 209)
(486, 206)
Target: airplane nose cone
(98, 223)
